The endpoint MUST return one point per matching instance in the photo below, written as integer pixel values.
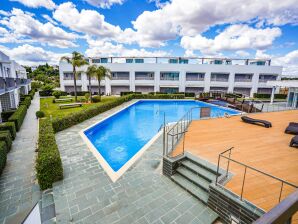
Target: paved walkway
(18, 187)
(141, 195)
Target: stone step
(208, 216)
(195, 178)
(192, 188)
(199, 170)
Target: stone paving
(18, 188)
(141, 195)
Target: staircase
(195, 176)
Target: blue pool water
(122, 135)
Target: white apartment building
(176, 74)
(13, 83)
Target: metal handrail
(221, 155)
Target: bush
(48, 87)
(39, 114)
(267, 96)
(48, 163)
(81, 93)
(6, 137)
(35, 84)
(87, 96)
(7, 114)
(62, 123)
(3, 155)
(10, 126)
(26, 101)
(128, 93)
(190, 94)
(45, 93)
(18, 116)
(56, 94)
(32, 93)
(96, 99)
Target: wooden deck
(266, 149)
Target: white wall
(182, 69)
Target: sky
(34, 32)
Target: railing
(169, 78)
(283, 212)
(144, 78)
(120, 78)
(214, 79)
(247, 167)
(194, 79)
(242, 80)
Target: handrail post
(243, 183)
(217, 171)
(228, 166)
(164, 134)
(282, 184)
(183, 142)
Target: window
(173, 76)
(95, 60)
(139, 60)
(183, 61)
(129, 60)
(173, 61)
(218, 62)
(103, 60)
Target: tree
(91, 72)
(76, 60)
(101, 73)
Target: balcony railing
(194, 79)
(242, 80)
(169, 78)
(215, 79)
(266, 80)
(120, 78)
(144, 78)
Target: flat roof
(266, 149)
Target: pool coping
(115, 175)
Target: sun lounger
(292, 128)
(69, 105)
(250, 120)
(294, 141)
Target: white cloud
(31, 55)
(242, 53)
(4, 13)
(234, 37)
(48, 18)
(87, 21)
(102, 48)
(104, 3)
(23, 27)
(188, 18)
(49, 4)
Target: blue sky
(39, 31)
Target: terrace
(264, 149)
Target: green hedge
(10, 126)
(18, 116)
(62, 123)
(128, 93)
(6, 114)
(26, 101)
(6, 137)
(3, 155)
(268, 95)
(48, 163)
(32, 93)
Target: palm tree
(91, 72)
(77, 60)
(101, 73)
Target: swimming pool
(118, 138)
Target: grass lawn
(50, 108)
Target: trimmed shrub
(32, 93)
(6, 137)
(128, 93)
(5, 115)
(45, 93)
(190, 94)
(39, 114)
(26, 101)
(10, 126)
(57, 94)
(18, 116)
(36, 84)
(268, 95)
(48, 163)
(62, 123)
(81, 93)
(95, 99)
(3, 155)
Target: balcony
(220, 77)
(144, 76)
(10, 83)
(69, 76)
(169, 76)
(243, 77)
(266, 78)
(120, 75)
(195, 76)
